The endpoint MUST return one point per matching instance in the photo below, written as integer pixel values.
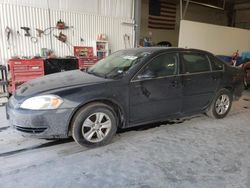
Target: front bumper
(40, 123)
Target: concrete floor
(200, 152)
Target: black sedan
(128, 88)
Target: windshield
(117, 64)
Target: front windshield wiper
(96, 74)
(115, 75)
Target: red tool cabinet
(23, 70)
(86, 62)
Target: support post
(137, 21)
(185, 10)
(180, 9)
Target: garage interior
(40, 38)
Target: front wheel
(94, 125)
(221, 104)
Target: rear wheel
(221, 104)
(245, 83)
(94, 125)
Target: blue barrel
(227, 59)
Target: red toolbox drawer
(23, 70)
(86, 62)
(24, 65)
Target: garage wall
(115, 8)
(194, 13)
(157, 34)
(242, 18)
(216, 39)
(242, 14)
(85, 26)
(66, 5)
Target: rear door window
(195, 63)
(216, 64)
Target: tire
(218, 110)
(94, 125)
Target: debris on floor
(198, 152)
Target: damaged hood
(57, 81)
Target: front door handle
(214, 78)
(175, 83)
(138, 86)
(145, 92)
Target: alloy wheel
(96, 127)
(222, 104)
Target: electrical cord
(34, 39)
(69, 45)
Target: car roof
(160, 49)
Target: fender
(111, 102)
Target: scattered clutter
(146, 42)
(47, 53)
(39, 32)
(54, 65)
(85, 62)
(85, 56)
(101, 49)
(61, 25)
(61, 37)
(164, 44)
(8, 32)
(33, 39)
(235, 56)
(3, 79)
(27, 31)
(101, 37)
(126, 40)
(236, 59)
(245, 56)
(83, 51)
(23, 69)
(3, 85)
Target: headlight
(43, 102)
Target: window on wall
(163, 65)
(194, 63)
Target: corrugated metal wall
(116, 8)
(84, 26)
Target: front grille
(31, 130)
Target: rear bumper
(40, 124)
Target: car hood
(57, 81)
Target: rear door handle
(188, 79)
(214, 78)
(138, 86)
